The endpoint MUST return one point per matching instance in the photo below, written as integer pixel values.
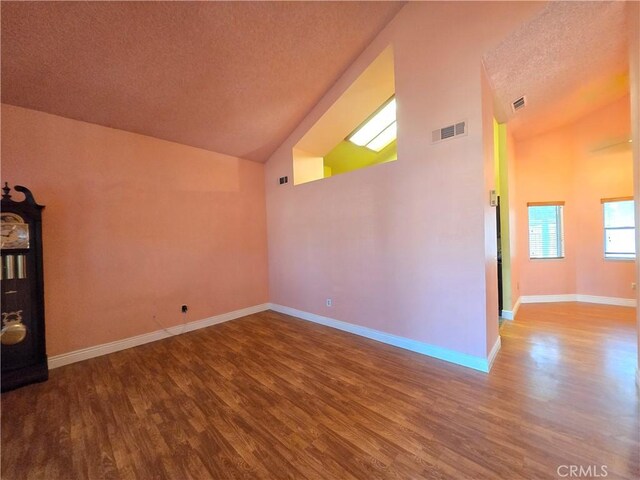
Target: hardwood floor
(269, 396)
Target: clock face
(14, 232)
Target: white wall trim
(623, 302)
(572, 297)
(516, 307)
(477, 363)
(547, 298)
(511, 314)
(99, 350)
(507, 315)
(494, 351)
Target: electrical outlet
(184, 309)
(329, 302)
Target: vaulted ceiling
(568, 60)
(231, 77)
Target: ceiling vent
(519, 103)
(450, 131)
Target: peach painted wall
(570, 164)
(134, 227)
(400, 247)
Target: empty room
(323, 240)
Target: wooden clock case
(23, 361)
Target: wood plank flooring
(269, 396)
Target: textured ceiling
(568, 60)
(232, 77)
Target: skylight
(379, 130)
(387, 136)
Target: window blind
(619, 228)
(546, 236)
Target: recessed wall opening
(359, 130)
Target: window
(619, 228)
(546, 232)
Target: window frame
(608, 255)
(559, 225)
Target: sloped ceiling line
(231, 77)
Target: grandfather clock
(24, 355)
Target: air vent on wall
(449, 131)
(519, 103)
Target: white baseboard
(511, 314)
(99, 350)
(477, 363)
(622, 302)
(494, 352)
(547, 298)
(507, 315)
(516, 307)
(573, 297)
